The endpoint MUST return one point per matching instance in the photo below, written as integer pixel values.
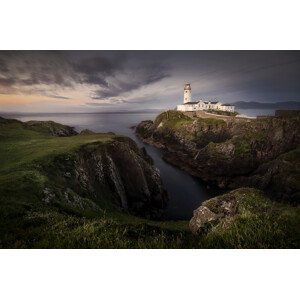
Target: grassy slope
(260, 223)
(26, 221)
(175, 119)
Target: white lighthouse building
(187, 93)
(188, 105)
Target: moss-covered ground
(28, 222)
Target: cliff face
(116, 172)
(224, 153)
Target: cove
(185, 192)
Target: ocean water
(185, 192)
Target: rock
(87, 132)
(49, 196)
(279, 177)
(218, 210)
(117, 171)
(202, 219)
(68, 199)
(51, 127)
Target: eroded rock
(216, 211)
(116, 171)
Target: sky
(99, 81)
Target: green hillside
(29, 155)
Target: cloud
(29, 68)
(7, 82)
(133, 79)
(58, 97)
(3, 67)
(112, 72)
(108, 102)
(95, 70)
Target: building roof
(190, 103)
(214, 102)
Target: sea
(185, 191)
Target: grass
(292, 156)
(172, 119)
(26, 221)
(211, 121)
(175, 119)
(261, 223)
(20, 145)
(243, 143)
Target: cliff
(116, 171)
(230, 153)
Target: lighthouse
(187, 95)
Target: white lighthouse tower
(187, 95)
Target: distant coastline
(259, 105)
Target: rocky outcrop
(116, 172)
(279, 177)
(224, 153)
(87, 132)
(220, 211)
(51, 127)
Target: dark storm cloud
(3, 67)
(95, 70)
(28, 68)
(7, 82)
(249, 75)
(66, 69)
(147, 74)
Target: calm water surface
(185, 192)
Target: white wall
(187, 96)
(202, 106)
